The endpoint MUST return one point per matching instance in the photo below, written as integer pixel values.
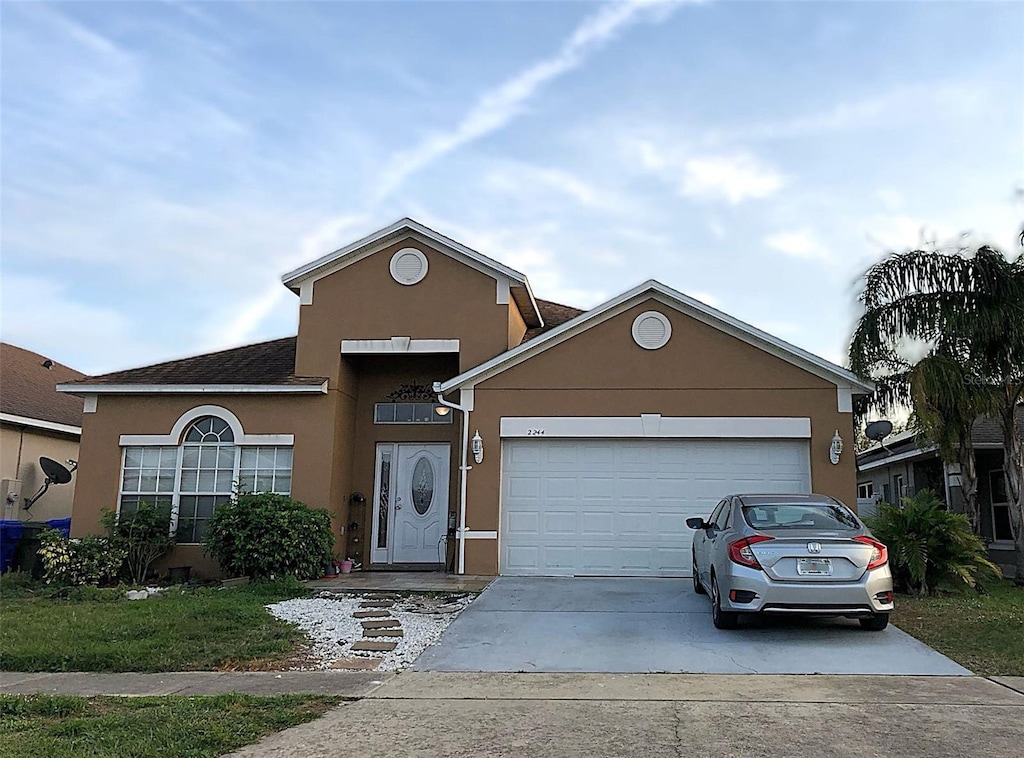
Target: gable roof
(27, 389)
(838, 375)
(519, 285)
(554, 314)
(261, 366)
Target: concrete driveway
(657, 625)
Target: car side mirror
(696, 523)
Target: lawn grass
(984, 633)
(86, 629)
(47, 726)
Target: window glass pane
(129, 504)
(189, 480)
(204, 506)
(265, 457)
(998, 487)
(283, 484)
(226, 457)
(223, 481)
(131, 481)
(384, 413)
(208, 457)
(248, 459)
(247, 480)
(424, 412)
(166, 483)
(1001, 522)
(168, 457)
(284, 458)
(264, 482)
(207, 481)
(151, 457)
(404, 412)
(148, 481)
(190, 457)
(132, 457)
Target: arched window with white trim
(207, 457)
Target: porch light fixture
(442, 410)
(478, 447)
(836, 448)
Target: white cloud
(496, 107)
(734, 178)
(525, 180)
(799, 243)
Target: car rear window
(829, 516)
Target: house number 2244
(534, 432)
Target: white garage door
(619, 507)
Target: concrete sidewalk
(351, 685)
(655, 715)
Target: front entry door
(410, 502)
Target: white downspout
(464, 469)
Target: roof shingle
(554, 314)
(28, 387)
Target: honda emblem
(813, 547)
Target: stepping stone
(382, 624)
(357, 663)
(375, 646)
(371, 614)
(376, 604)
(383, 633)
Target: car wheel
(697, 586)
(721, 619)
(875, 623)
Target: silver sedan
(790, 554)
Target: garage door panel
(619, 507)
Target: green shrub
(265, 535)
(88, 560)
(15, 584)
(144, 534)
(928, 544)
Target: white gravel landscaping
(327, 621)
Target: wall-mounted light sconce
(836, 448)
(478, 447)
(442, 410)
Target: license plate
(814, 566)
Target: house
(908, 464)
(35, 421)
(445, 415)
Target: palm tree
(963, 313)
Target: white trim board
(193, 389)
(477, 534)
(398, 345)
(896, 458)
(655, 425)
(35, 423)
(174, 437)
(382, 238)
(653, 290)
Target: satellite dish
(56, 473)
(878, 430)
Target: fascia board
(672, 298)
(192, 389)
(36, 423)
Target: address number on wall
(534, 432)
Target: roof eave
(75, 388)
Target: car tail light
(880, 554)
(740, 552)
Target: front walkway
(401, 581)
(657, 625)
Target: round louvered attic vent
(651, 330)
(408, 266)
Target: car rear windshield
(828, 516)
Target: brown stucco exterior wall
(322, 451)
(362, 301)
(20, 450)
(602, 372)
(516, 325)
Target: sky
(164, 163)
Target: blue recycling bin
(62, 525)
(10, 535)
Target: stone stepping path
(380, 628)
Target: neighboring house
(35, 420)
(574, 443)
(909, 464)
